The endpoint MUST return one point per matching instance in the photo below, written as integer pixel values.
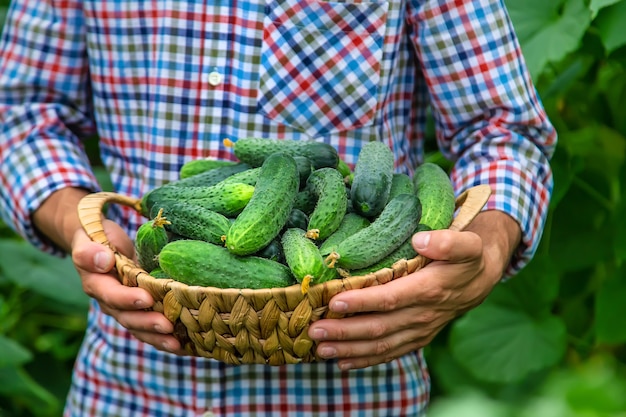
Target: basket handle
(470, 203)
(90, 215)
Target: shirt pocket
(320, 63)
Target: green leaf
(610, 24)
(548, 30)
(596, 5)
(20, 387)
(611, 309)
(469, 404)
(500, 343)
(44, 274)
(534, 289)
(13, 354)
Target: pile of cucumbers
(288, 212)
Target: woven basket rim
(469, 203)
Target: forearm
(57, 218)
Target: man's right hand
(127, 305)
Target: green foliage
(549, 342)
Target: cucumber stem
(313, 233)
(160, 220)
(331, 259)
(306, 283)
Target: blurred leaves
(548, 30)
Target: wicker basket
(243, 326)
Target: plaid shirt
(165, 82)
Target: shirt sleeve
(489, 119)
(45, 110)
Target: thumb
(91, 256)
(447, 245)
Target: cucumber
(373, 175)
(198, 166)
(210, 177)
(436, 193)
(392, 227)
(305, 201)
(350, 224)
(401, 184)
(343, 168)
(195, 221)
(304, 258)
(151, 238)
(227, 198)
(273, 251)
(254, 151)
(250, 176)
(404, 251)
(328, 187)
(305, 168)
(297, 218)
(158, 272)
(268, 210)
(195, 262)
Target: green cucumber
(273, 251)
(331, 202)
(373, 175)
(344, 168)
(305, 201)
(151, 238)
(198, 166)
(158, 272)
(404, 251)
(297, 218)
(195, 262)
(210, 177)
(194, 221)
(254, 151)
(227, 198)
(250, 176)
(350, 224)
(386, 233)
(401, 184)
(436, 193)
(304, 258)
(268, 210)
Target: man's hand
(94, 263)
(57, 218)
(408, 312)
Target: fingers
(150, 327)
(95, 264)
(372, 340)
(448, 245)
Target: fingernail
(166, 346)
(339, 306)
(346, 366)
(158, 328)
(102, 261)
(140, 304)
(420, 240)
(319, 334)
(328, 352)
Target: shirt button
(215, 78)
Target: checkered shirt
(164, 82)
